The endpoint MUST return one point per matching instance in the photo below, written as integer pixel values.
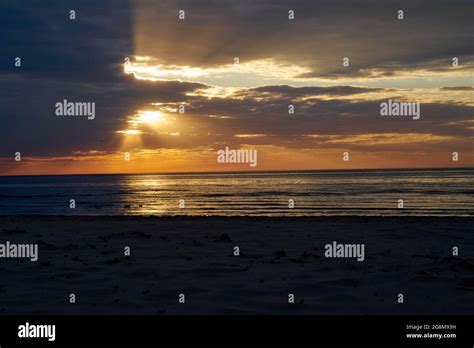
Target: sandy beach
(278, 256)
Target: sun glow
(142, 122)
(130, 132)
(149, 116)
(160, 72)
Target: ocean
(324, 193)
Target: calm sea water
(424, 192)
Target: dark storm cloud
(49, 43)
(323, 32)
(94, 45)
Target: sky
(234, 67)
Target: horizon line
(253, 171)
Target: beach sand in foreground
(278, 256)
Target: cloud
(81, 60)
(460, 88)
(285, 91)
(321, 35)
